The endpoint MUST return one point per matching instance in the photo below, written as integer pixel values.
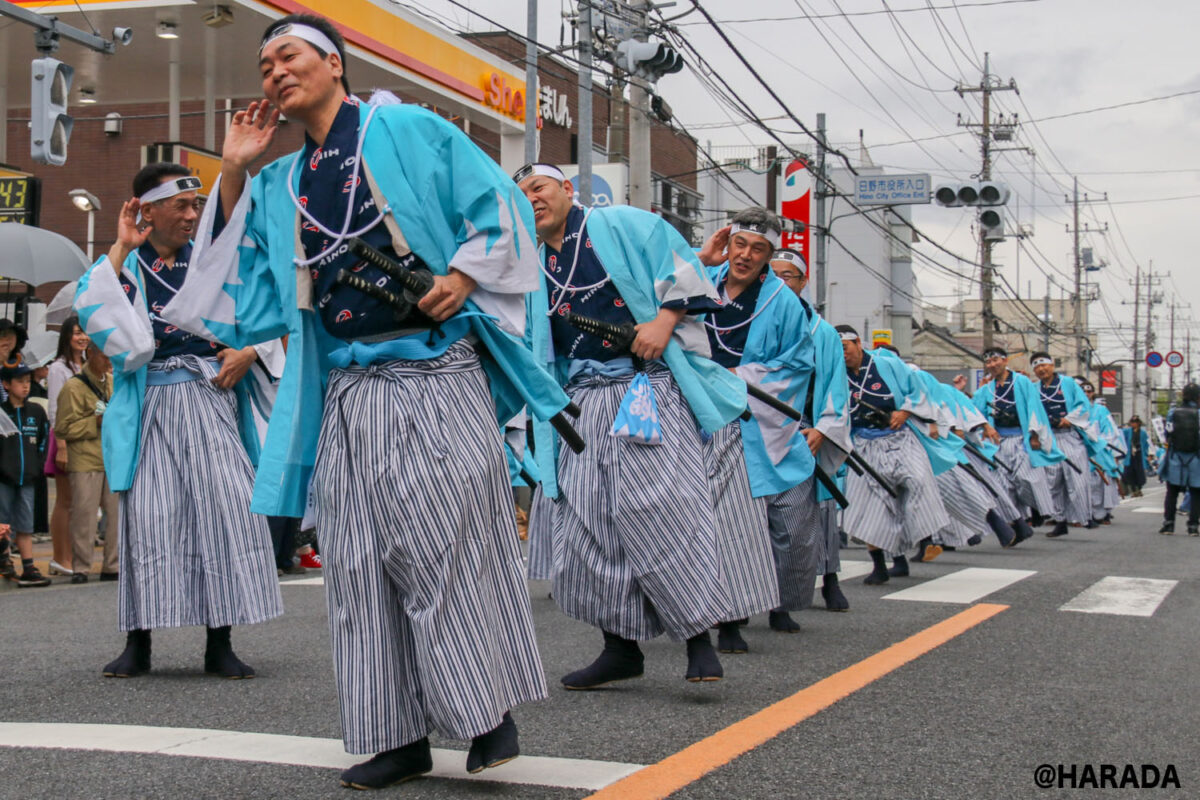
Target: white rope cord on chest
(718, 330)
(565, 286)
(346, 233)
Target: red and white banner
(797, 205)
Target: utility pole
(1137, 359)
(1046, 318)
(1152, 299)
(988, 84)
(584, 92)
(618, 117)
(1170, 369)
(639, 119)
(531, 82)
(819, 195)
(1077, 325)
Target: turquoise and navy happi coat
(830, 393)
(777, 355)
(1030, 413)
(116, 314)
(650, 264)
(444, 200)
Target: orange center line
(692, 763)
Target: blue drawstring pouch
(637, 418)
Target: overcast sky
(891, 76)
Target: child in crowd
(22, 457)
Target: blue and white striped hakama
(831, 553)
(873, 516)
(428, 609)
(967, 502)
(1002, 499)
(1069, 488)
(543, 533)
(797, 539)
(1028, 486)
(637, 543)
(743, 543)
(191, 553)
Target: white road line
(1133, 597)
(853, 569)
(964, 586)
(270, 748)
(317, 581)
(1147, 510)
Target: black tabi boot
(880, 573)
(1060, 529)
(621, 659)
(1092, 524)
(729, 639)
(134, 660)
(219, 658)
(1023, 530)
(1193, 529)
(1168, 526)
(974, 541)
(497, 746)
(781, 621)
(703, 664)
(391, 767)
(1004, 532)
(1036, 519)
(831, 593)
(900, 566)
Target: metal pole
(210, 88)
(639, 125)
(584, 139)
(819, 276)
(1137, 298)
(1170, 369)
(531, 83)
(985, 247)
(91, 234)
(1046, 319)
(173, 134)
(1078, 299)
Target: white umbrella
(38, 256)
(40, 349)
(62, 306)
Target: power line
(863, 13)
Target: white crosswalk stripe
(1134, 597)
(269, 748)
(963, 586)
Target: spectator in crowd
(12, 339)
(38, 353)
(68, 361)
(81, 405)
(22, 456)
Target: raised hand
(712, 254)
(129, 237)
(250, 134)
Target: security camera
(122, 36)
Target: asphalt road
(1034, 684)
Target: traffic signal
(983, 193)
(50, 125)
(650, 60)
(991, 225)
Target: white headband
(1037, 362)
(168, 189)
(545, 170)
(848, 336)
(771, 236)
(793, 258)
(305, 32)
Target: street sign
(1174, 359)
(891, 190)
(1154, 359)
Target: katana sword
(621, 337)
(416, 284)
